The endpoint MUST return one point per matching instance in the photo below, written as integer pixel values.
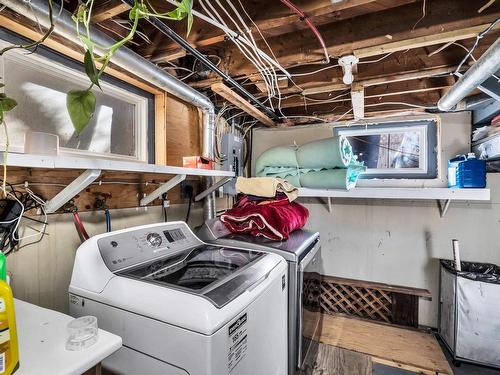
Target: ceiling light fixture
(347, 63)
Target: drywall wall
(41, 272)
(399, 242)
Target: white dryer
(182, 306)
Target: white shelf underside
(400, 193)
(68, 162)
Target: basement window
(395, 150)
(39, 83)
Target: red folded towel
(273, 219)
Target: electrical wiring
(401, 103)
(476, 42)
(310, 24)
(271, 51)
(107, 216)
(273, 75)
(376, 60)
(233, 35)
(268, 71)
(212, 13)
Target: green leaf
(81, 108)
(90, 68)
(1, 85)
(7, 104)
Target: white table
(42, 338)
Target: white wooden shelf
(92, 170)
(444, 196)
(400, 193)
(70, 162)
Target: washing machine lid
(216, 273)
(293, 249)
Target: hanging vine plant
(81, 104)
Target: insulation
(325, 164)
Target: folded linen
(266, 187)
(274, 220)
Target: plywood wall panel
(183, 131)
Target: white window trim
(55, 69)
(423, 162)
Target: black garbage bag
(487, 272)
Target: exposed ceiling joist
(279, 21)
(108, 9)
(380, 28)
(423, 41)
(232, 97)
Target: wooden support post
(241, 103)
(161, 129)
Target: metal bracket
(162, 189)
(76, 186)
(443, 207)
(212, 188)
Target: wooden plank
(405, 309)
(183, 130)
(393, 346)
(228, 94)
(331, 360)
(108, 9)
(423, 293)
(69, 49)
(160, 129)
(423, 41)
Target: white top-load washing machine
(302, 251)
(182, 306)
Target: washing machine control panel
(126, 249)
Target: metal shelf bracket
(443, 206)
(212, 188)
(162, 189)
(76, 186)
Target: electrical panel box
(232, 151)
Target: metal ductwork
(485, 66)
(38, 11)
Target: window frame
(428, 156)
(51, 63)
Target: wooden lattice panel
(356, 301)
(364, 299)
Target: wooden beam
(161, 129)
(279, 20)
(167, 56)
(108, 9)
(228, 94)
(370, 30)
(423, 41)
(358, 101)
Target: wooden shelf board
(400, 193)
(393, 346)
(69, 162)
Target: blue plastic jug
(466, 172)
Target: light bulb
(348, 77)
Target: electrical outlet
(187, 189)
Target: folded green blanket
(325, 164)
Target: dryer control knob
(154, 239)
